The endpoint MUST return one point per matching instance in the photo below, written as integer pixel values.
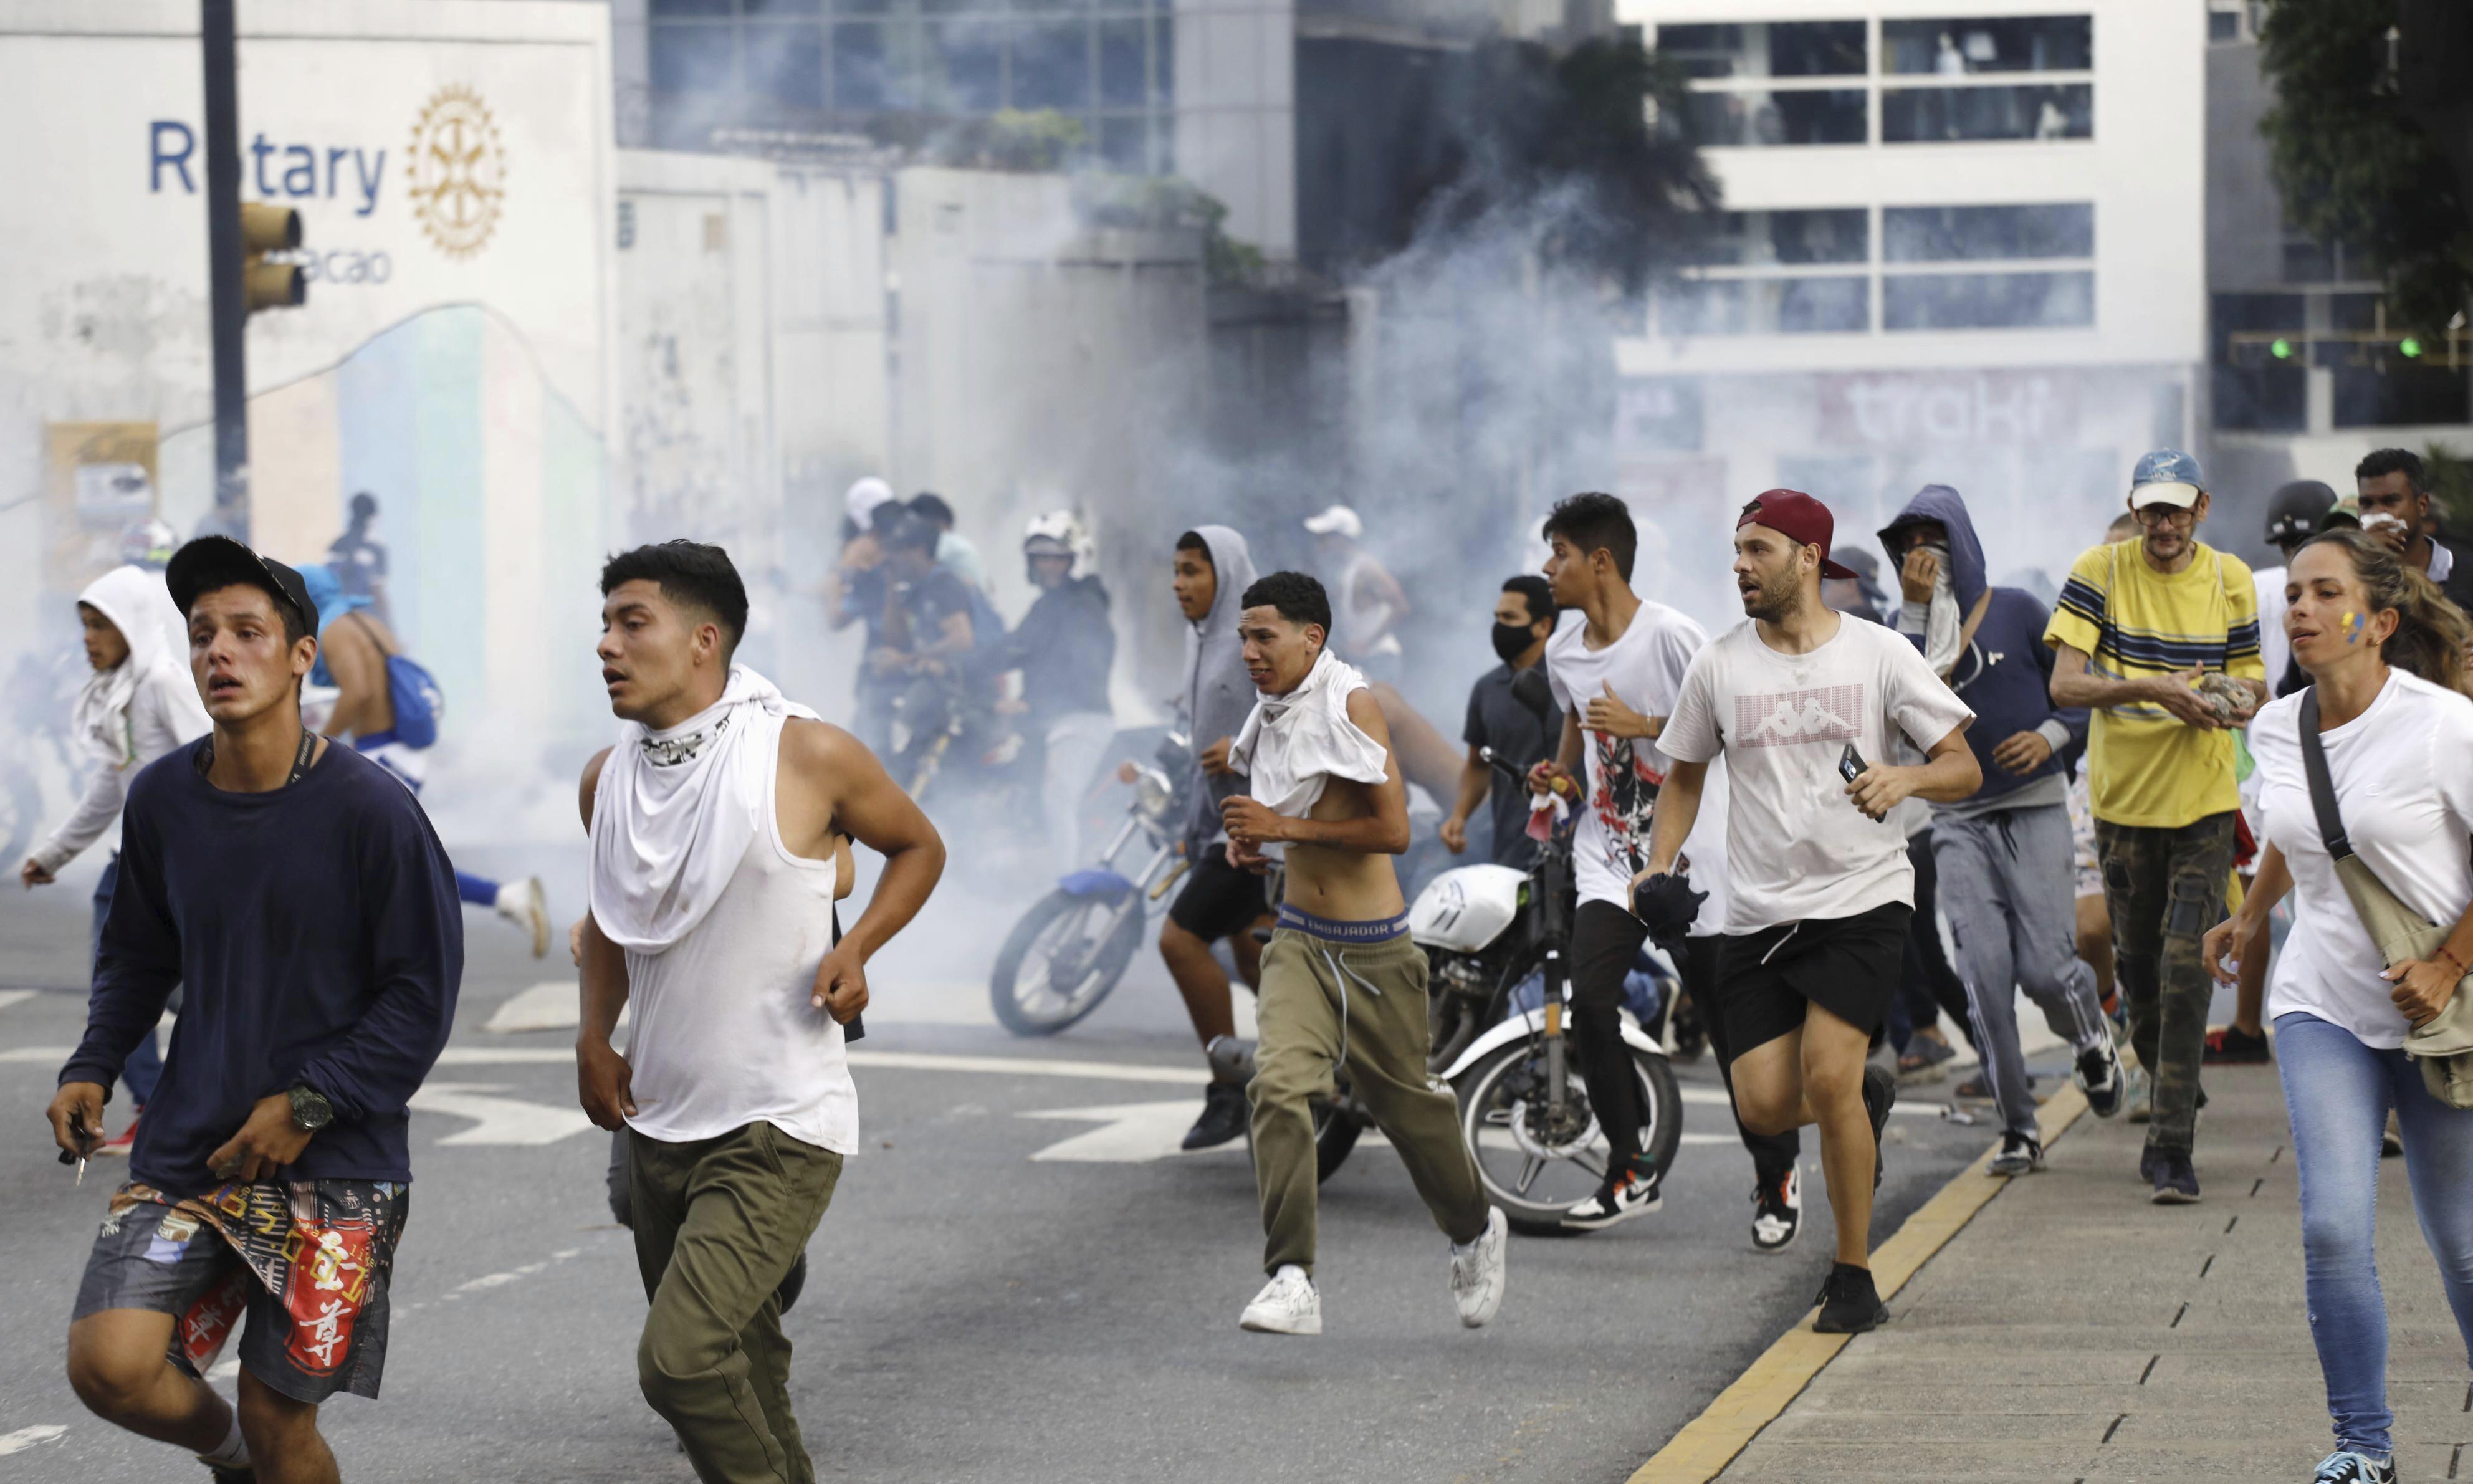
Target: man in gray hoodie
(1211, 571)
(2005, 854)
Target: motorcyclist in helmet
(1064, 647)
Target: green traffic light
(2280, 348)
(2409, 347)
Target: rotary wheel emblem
(459, 171)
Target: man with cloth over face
(1342, 983)
(2003, 854)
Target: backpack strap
(2322, 788)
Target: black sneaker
(1849, 1304)
(1223, 1116)
(1880, 1095)
(2229, 1045)
(2345, 1465)
(1630, 1189)
(2099, 1076)
(2021, 1154)
(792, 1283)
(2177, 1184)
(1777, 1209)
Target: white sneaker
(526, 906)
(1477, 1271)
(1288, 1305)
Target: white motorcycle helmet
(1060, 534)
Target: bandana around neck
(676, 809)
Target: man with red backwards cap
(1803, 703)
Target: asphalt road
(1010, 1285)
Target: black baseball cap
(212, 561)
(2295, 510)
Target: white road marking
(552, 1005)
(499, 1120)
(8, 997)
(25, 1437)
(1128, 1133)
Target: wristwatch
(310, 1110)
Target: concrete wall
(1237, 113)
(754, 371)
(2245, 213)
(1043, 365)
(453, 359)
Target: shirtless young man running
(1342, 983)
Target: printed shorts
(306, 1261)
(2090, 870)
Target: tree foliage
(1559, 146)
(2353, 163)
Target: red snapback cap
(1793, 513)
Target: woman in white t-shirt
(2384, 652)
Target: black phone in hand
(1850, 763)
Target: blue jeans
(2336, 1092)
(145, 1065)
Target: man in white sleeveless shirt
(713, 821)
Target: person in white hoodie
(140, 702)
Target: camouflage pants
(2164, 888)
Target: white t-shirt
(1645, 666)
(2405, 788)
(2275, 649)
(1796, 846)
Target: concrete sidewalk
(2072, 1332)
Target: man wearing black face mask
(1524, 619)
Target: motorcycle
(1073, 945)
(1488, 931)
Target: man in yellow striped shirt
(2139, 623)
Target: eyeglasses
(2167, 515)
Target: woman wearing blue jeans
(2386, 657)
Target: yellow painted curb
(1710, 1441)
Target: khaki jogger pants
(718, 1223)
(1362, 1006)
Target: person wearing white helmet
(1367, 603)
(856, 595)
(1064, 647)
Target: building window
(1959, 47)
(1973, 301)
(825, 64)
(1947, 234)
(1756, 273)
(2384, 378)
(1938, 80)
(1793, 49)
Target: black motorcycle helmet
(2295, 510)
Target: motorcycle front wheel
(1061, 959)
(1536, 1161)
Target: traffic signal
(265, 285)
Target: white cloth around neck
(676, 808)
(1294, 744)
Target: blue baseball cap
(2167, 476)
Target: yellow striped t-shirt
(2146, 767)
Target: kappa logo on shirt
(1797, 716)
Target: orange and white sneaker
(1629, 1190)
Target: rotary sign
(458, 172)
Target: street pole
(227, 309)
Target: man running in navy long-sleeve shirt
(299, 893)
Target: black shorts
(1219, 900)
(1849, 967)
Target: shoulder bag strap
(2322, 788)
